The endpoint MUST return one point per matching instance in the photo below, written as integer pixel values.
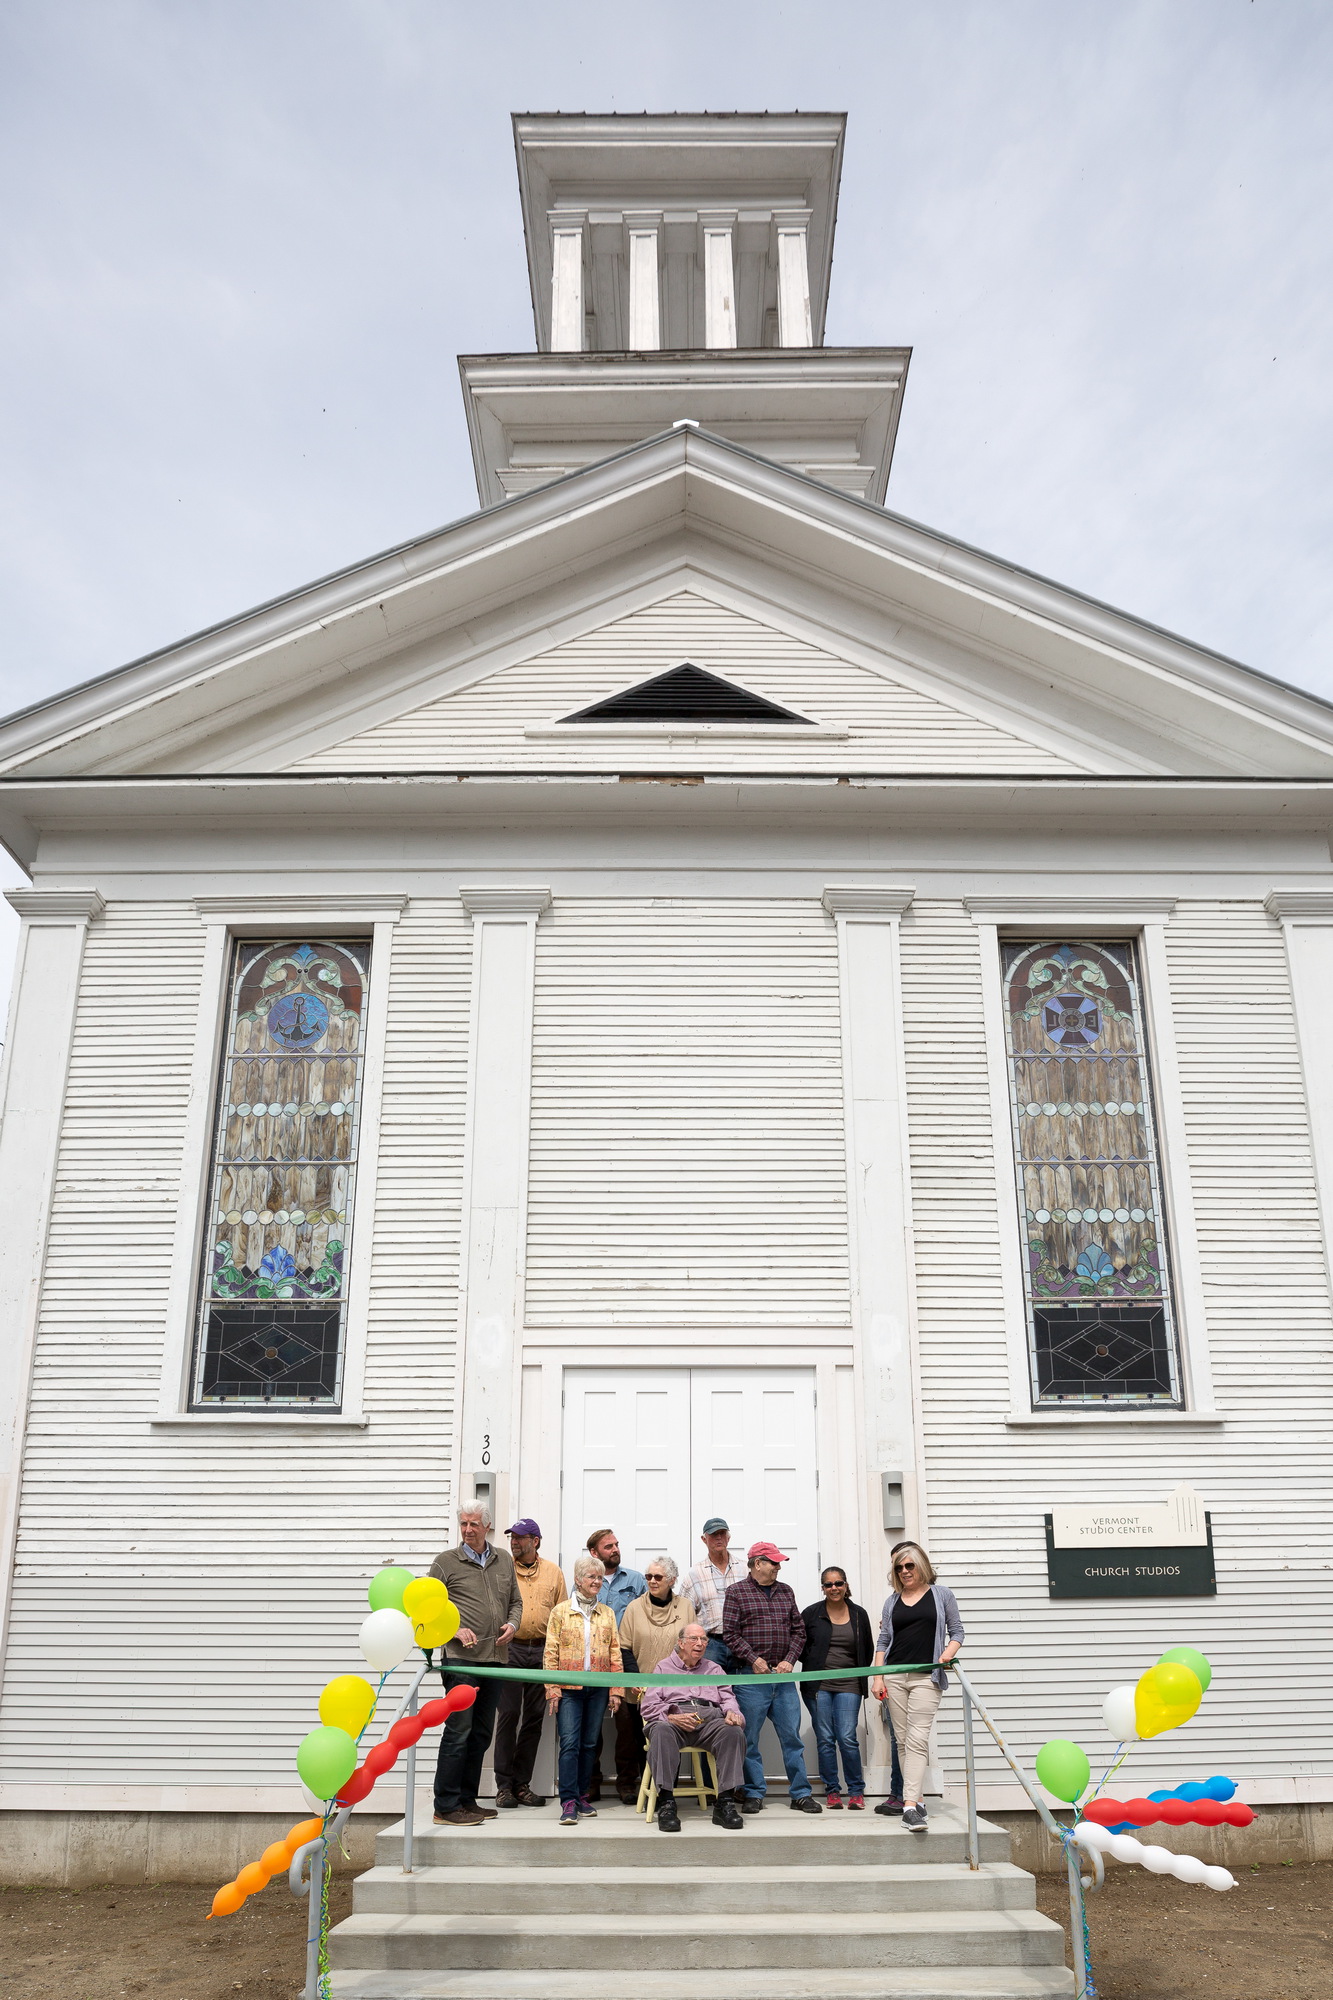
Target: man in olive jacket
(481, 1582)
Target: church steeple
(679, 266)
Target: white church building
(683, 992)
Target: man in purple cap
(522, 1704)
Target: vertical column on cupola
(642, 232)
(719, 232)
(566, 283)
(795, 323)
(680, 241)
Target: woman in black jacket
(838, 1634)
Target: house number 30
(486, 1448)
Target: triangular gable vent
(686, 694)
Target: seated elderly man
(706, 1718)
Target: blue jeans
(895, 1768)
(578, 1722)
(836, 1715)
(781, 1704)
(722, 1656)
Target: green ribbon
(567, 1677)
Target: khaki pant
(913, 1700)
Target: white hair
(668, 1566)
(477, 1507)
(586, 1565)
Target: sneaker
(462, 1816)
(726, 1812)
(890, 1808)
(833, 1800)
(668, 1819)
(751, 1805)
(585, 1808)
(856, 1803)
(569, 1813)
(504, 1798)
(487, 1812)
(524, 1796)
(806, 1804)
(914, 1818)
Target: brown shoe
(487, 1812)
(527, 1797)
(464, 1816)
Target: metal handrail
(1076, 1882)
(305, 1877)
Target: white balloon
(1125, 1847)
(1094, 1836)
(1189, 1868)
(386, 1639)
(1157, 1860)
(1218, 1878)
(1118, 1714)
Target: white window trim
(1145, 919)
(225, 918)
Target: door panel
(626, 1461)
(753, 1452)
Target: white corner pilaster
(719, 284)
(566, 285)
(1306, 917)
(879, 1217)
(32, 1097)
(493, 1235)
(795, 326)
(645, 317)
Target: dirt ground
(1152, 1939)
(1157, 1939)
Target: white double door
(655, 1452)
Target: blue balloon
(1192, 1792)
(1156, 1797)
(1220, 1789)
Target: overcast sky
(243, 241)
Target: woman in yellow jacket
(581, 1637)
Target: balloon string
(1074, 1860)
(1122, 1751)
(373, 1706)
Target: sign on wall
(1161, 1549)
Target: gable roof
(238, 696)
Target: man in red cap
(765, 1631)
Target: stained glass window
(278, 1236)
(1097, 1272)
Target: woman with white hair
(920, 1629)
(581, 1637)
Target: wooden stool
(703, 1789)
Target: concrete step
(668, 1890)
(953, 1982)
(784, 1941)
(532, 1837)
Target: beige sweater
(650, 1632)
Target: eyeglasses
(902, 1568)
(655, 1575)
(838, 1583)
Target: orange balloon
(309, 1829)
(275, 1860)
(252, 1879)
(228, 1900)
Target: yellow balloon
(424, 1597)
(440, 1630)
(1166, 1696)
(346, 1703)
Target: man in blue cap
(522, 1704)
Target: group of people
(726, 1616)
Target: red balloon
(460, 1697)
(381, 1759)
(358, 1786)
(1172, 1812)
(433, 1714)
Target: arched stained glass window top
(1097, 1273)
(278, 1235)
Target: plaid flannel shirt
(764, 1625)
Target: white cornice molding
(872, 901)
(294, 910)
(56, 906)
(1301, 906)
(505, 899)
(1070, 910)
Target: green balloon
(387, 1587)
(326, 1760)
(1186, 1656)
(1062, 1768)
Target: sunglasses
(838, 1583)
(655, 1575)
(902, 1568)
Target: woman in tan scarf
(652, 1624)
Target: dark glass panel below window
(270, 1354)
(1096, 1353)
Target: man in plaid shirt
(763, 1628)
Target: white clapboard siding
(1045, 1666)
(182, 1595)
(688, 1161)
(891, 725)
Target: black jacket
(819, 1632)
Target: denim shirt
(620, 1590)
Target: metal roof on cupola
(680, 267)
